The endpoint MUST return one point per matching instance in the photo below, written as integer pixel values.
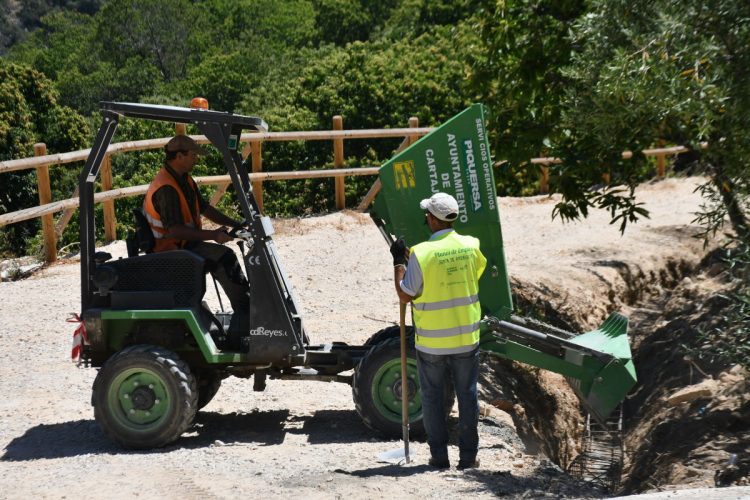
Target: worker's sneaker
(439, 463)
(468, 464)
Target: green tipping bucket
(455, 158)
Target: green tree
(632, 74)
(342, 21)
(19, 18)
(63, 41)
(517, 71)
(665, 71)
(584, 81)
(66, 49)
(158, 32)
(30, 113)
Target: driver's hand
(236, 227)
(221, 235)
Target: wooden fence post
(180, 129)
(338, 162)
(110, 222)
(257, 167)
(544, 180)
(413, 123)
(661, 167)
(45, 196)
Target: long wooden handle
(404, 382)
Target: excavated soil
(305, 439)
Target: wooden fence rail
(253, 148)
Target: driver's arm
(167, 203)
(183, 232)
(217, 217)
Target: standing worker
(173, 207)
(442, 281)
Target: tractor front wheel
(144, 397)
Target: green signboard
(455, 159)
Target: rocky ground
(305, 439)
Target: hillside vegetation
(580, 80)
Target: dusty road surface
(305, 439)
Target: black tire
(376, 389)
(209, 383)
(144, 397)
(388, 333)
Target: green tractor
(162, 354)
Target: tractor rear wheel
(144, 397)
(388, 333)
(377, 389)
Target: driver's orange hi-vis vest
(164, 178)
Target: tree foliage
(18, 18)
(30, 113)
(584, 81)
(581, 80)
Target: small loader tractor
(161, 354)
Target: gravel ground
(304, 439)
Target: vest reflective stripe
(447, 314)
(157, 228)
(448, 332)
(163, 243)
(442, 351)
(446, 304)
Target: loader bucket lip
(612, 382)
(610, 338)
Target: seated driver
(173, 208)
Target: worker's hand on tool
(221, 235)
(400, 252)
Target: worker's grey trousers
(435, 371)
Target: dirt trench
(699, 443)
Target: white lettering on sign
(432, 168)
(446, 177)
(484, 156)
(458, 184)
(480, 130)
(264, 332)
(471, 166)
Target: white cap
(441, 205)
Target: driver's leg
(222, 263)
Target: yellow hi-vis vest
(447, 313)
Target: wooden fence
(253, 148)
(52, 230)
